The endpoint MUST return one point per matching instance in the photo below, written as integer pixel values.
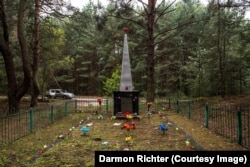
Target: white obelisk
(126, 77)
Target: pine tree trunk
(15, 91)
(150, 57)
(36, 59)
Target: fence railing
(29, 120)
(230, 121)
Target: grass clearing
(77, 149)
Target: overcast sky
(81, 3)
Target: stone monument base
(126, 102)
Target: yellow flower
(128, 139)
(129, 116)
(187, 143)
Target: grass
(77, 149)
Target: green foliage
(112, 83)
(4, 161)
(80, 53)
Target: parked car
(55, 93)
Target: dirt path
(203, 136)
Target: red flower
(99, 100)
(126, 114)
(191, 147)
(149, 104)
(133, 125)
(127, 126)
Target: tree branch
(174, 28)
(128, 19)
(164, 11)
(144, 5)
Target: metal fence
(227, 121)
(29, 120)
(232, 122)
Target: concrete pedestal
(126, 102)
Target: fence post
(107, 105)
(75, 105)
(52, 114)
(239, 127)
(169, 105)
(31, 120)
(66, 109)
(188, 109)
(206, 116)
(177, 106)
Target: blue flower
(163, 127)
(85, 129)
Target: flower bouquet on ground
(85, 130)
(163, 127)
(129, 140)
(128, 116)
(149, 104)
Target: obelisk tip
(125, 29)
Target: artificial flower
(149, 104)
(85, 129)
(128, 139)
(99, 99)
